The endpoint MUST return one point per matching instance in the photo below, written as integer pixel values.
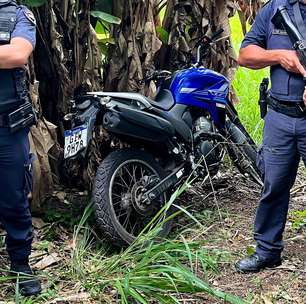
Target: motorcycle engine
(209, 149)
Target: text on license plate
(75, 140)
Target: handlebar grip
(217, 34)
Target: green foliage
(163, 35)
(246, 85)
(103, 29)
(298, 219)
(149, 271)
(251, 250)
(104, 17)
(33, 3)
(158, 271)
(64, 218)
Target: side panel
(201, 88)
(130, 121)
(176, 117)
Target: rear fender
(88, 117)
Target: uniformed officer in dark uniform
(284, 140)
(17, 41)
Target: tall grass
(148, 270)
(246, 85)
(151, 270)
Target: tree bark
(187, 22)
(67, 63)
(67, 60)
(132, 56)
(248, 11)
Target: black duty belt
(24, 116)
(292, 109)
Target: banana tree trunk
(132, 56)
(67, 62)
(138, 49)
(247, 11)
(189, 21)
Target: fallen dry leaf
(76, 298)
(37, 254)
(70, 245)
(38, 223)
(47, 261)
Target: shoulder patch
(28, 13)
(267, 2)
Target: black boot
(256, 262)
(29, 285)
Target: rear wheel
(121, 211)
(243, 152)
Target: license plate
(75, 140)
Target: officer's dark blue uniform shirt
(25, 25)
(285, 86)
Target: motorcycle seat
(164, 100)
(125, 96)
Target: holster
(21, 118)
(263, 93)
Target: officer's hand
(290, 61)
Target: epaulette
(29, 15)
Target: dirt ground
(228, 212)
(238, 201)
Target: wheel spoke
(123, 213)
(134, 174)
(128, 183)
(117, 202)
(129, 224)
(141, 172)
(137, 224)
(121, 185)
(131, 177)
(116, 195)
(126, 221)
(123, 180)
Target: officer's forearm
(16, 54)
(11, 57)
(255, 57)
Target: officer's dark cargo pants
(284, 144)
(14, 181)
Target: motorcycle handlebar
(205, 42)
(158, 75)
(217, 34)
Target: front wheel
(121, 211)
(243, 152)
